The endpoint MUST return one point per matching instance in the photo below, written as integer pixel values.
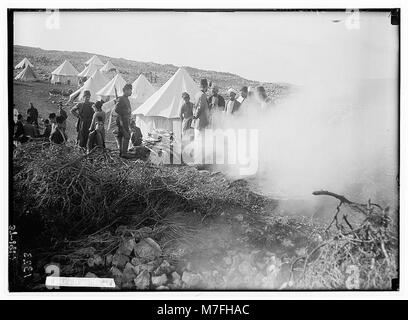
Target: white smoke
(340, 137)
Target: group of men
(91, 123)
(198, 116)
(29, 129)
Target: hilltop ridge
(45, 61)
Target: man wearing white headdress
(232, 106)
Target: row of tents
(66, 72)
(153, 109)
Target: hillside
(45, 61)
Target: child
(63, 114)
(136, 136)
(96, 137)
(186, 112)
(99, 114)
(53, 121)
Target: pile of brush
(359, 250)
(76, 194)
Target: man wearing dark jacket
(58, 136)
(33, 114)
(124, 113)
(216, 101)
(84, 112)
(19, 134)
(96, 137)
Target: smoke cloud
(341, 137)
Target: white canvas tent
(108, 67)
(141, 91)
(161, 110)
(108, 91)
(27, 74)
(94, 60)
(89, 70)
(96, 82)
(23, 63)
(65, 73)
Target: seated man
(135, 134)
(29, 129)
(19, 134)
(58, 135)
(47, 129)
(96, 137)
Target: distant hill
(45, 61)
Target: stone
(164, 267)
(91, 275)
(147, 249)
(175, 276)
(108, 259)
(129, 273)
(143, 232)
(120, 260)
(135, 261)
(191, 279)
(98, 261)
(159, 280)
(116, 273)
(127, 285)
(142, 281)
(91, 262)
(162, 288)
(126, 247)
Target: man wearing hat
(200, 111)
(200, 120)
(84, 112)
(216, 101)
(124, 114)
(232, 104)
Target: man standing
(232, 104)
(216, 101)
(186, 113)
(124, 112)
(84, 112)
(200, 120)
(33, 114)
(200, 111)
(64, 115)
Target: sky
(294, 47)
